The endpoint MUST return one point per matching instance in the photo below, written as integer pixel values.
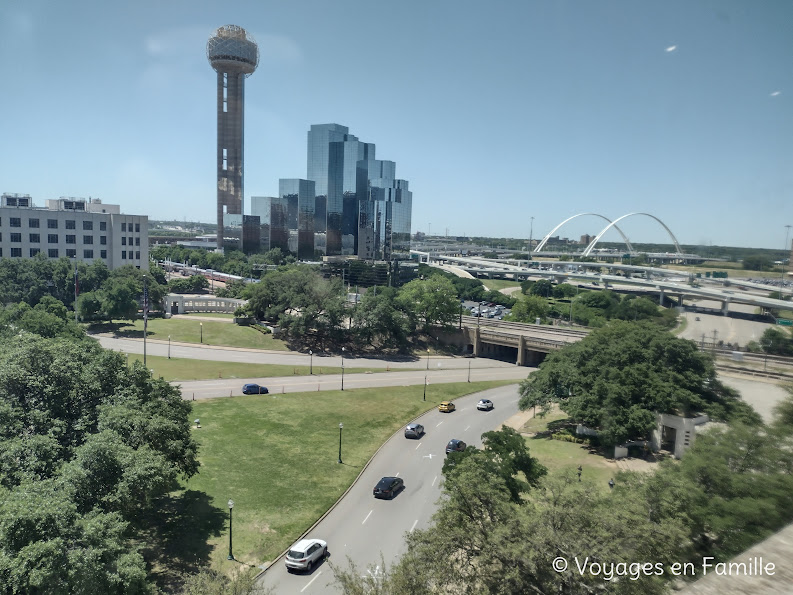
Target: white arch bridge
(590, 247)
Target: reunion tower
(234, 55)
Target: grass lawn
(276, 457)
(499, 284)
(189, 331)
(557, 455)
(196, 369)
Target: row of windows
(53, 253)
(124, 241)
(52, 238)
(70, 224)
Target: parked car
(455, 445)
(254, 389)
(484, 405)
(446, 407)
(388, 487)
(414, 431)
(305, 554)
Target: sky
(506, 117)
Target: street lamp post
(201, 324)
(311, 365)
(231, 507)
(788, 250)
(169, 346)
(341, 427)
(469, 370)
(425, 374)
(343, 349)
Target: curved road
(361, 527)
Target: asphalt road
(363, 528)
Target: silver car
(305, 554)
(414, 431)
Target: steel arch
(541, 245)
(589, 248)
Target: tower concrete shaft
(234, 56)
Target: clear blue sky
(495, 112)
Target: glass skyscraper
(300, 195)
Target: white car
(305, 554)
(484, 405)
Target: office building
(300, 196)
(273, 213)
(234, 56)
(86, 230)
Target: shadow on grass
(175, 543)
(119, 329)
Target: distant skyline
(495, 113)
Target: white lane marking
(367, 516)
(429, 456)
(397, 475)
(311, 581)
(466, 429)
(439, 423)
(417, 446)
(434, 480)
(416, 522)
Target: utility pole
(787, 252)
(531, 234)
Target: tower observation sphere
(234, 55)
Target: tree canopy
(617, 378)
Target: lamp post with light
(231, 507)
(169, 346)
(425, 374)
(311, 365)
(343, 349)
(202, 331)
(341, 427)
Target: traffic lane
(211, 389)
(361, 526)
(290, 358)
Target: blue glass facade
(300, 195)
(273, 213)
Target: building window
(71, 239)
(123, 227)
(52, 253)
(34, 251)
(15, 221)
(35, 238)
(103, 226)
(71, 252)
(129, 240)
(34, 223)
(103, 253)
(88, 239)
(70, 224)
(88, 253)
(103, 240)
(52, 224)
(16, 237)
(137, 228)
(123, 255)
(124, 241)
(137, 254)
(16, 252)
(137, 241)
(52, 238)
(88, 225)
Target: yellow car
(446, 407)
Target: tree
(776, 341)
(529, 308)
(431, 301)
(564, 290)
(617, 378)
(505, 454)
(543, 288)
(757, 262)
(377, 321)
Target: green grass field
(196, 369)
(210, 315)
(557, 455)
(276, 457)
(190, 331)
(499, 284)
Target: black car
(254, 389)
(388, 487)
(455, 446)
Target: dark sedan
(388, 487)
(254, 389)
